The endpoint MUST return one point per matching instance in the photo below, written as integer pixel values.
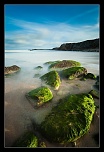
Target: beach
(20, 114)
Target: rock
(64, 64)
(52, 78)
(28, 139)
(94, 93)
(51, 62)
(11, 69)
(69, 120)
(37, 75)
(90, 76)
(74, 72)
(38, 67)
(40, 95)
(97, 82)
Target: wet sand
(20, 113)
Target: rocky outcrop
(11, 69)
(52, 78)
(74, 72)
(88, 45)
(39, 95)
(64, 64)
(69, 120)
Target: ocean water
(19, 113)
(30, 59)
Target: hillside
(88, 45)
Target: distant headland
(85, 46)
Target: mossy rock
(37, 75)
(74, 72)
(52, 78)
(41, 95)
(28, 139)
(11, 70)
(69, 120)
(90, 76)
(94, 93)
(38, 67)
(97, 82)
(64, 64)
(51, 62)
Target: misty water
(19, 113)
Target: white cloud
(35, 35)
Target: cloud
(31, 35)
(83, 14)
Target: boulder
(90, 76)
(11, 69)
(74, 72)
(28, 139)
(40, 95)
(94, 93)
(69, 120)
(64, 64)
(52, 78)
(38, 67)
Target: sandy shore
(20, 114)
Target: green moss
(69, 120)
(64, 64)
(51, 62)
(94, 93)
(28, 139)
(97, 82)
(42, 144)
(42, 94)
(52, 78)
(90, 76)
(38, 67)
(74, 72)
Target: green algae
(74, 72)
(51, 62)
(28, 139)
(38, 67)
(90, 76)
(69, 120)
(42, 94)
(94, 93)
(52, 78)
(59, 65)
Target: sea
(19, 113)
(30, 59)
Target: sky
(45, 26)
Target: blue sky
(29, 26)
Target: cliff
(88, 45)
